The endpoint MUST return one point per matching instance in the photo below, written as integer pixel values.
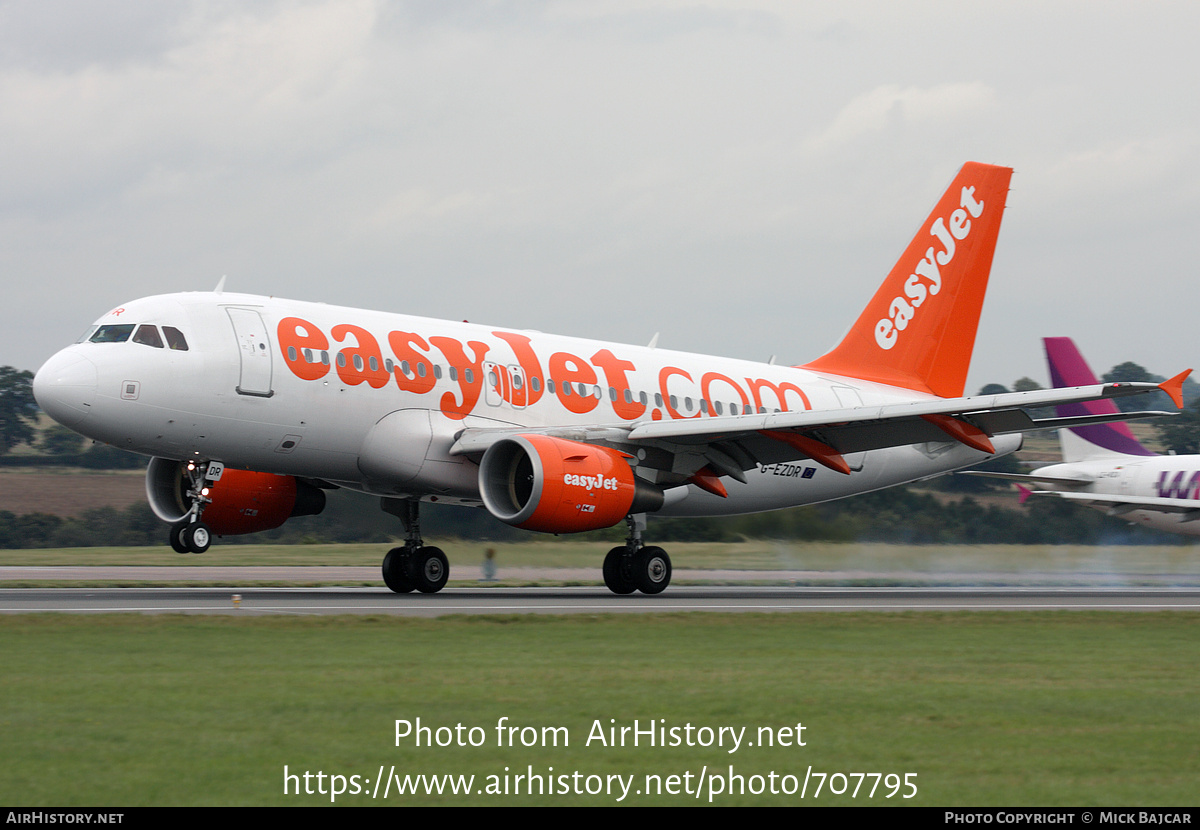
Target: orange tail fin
(919, 328)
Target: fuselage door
(254, 349)
(517, 383)
(494, 383)
(1130, 479)
(504, 384)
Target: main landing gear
(414, 566)
(417, 567)
(635, 567)
(189, 534)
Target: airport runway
(584, 600)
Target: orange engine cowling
(242, 501)
(553, 485)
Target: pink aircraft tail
(1068, 368)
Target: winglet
(1174, 387)
(1025, 493)
(918, 331)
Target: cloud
(742, 173)
(892, 108)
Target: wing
(1120, 505)
(1073, 480)
(681, 450)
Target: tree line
(898, 515)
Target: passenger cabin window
(148, 336)
(112, 334)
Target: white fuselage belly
(246, 402)
(1150, 477)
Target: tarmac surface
(369, 576)
(584, 600)
(189, 589)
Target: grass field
(69, 491)
(1000, 709)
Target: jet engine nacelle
(242, 501)
(553, 485)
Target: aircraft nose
(65, 387)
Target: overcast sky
(737, 175)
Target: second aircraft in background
(1106, 467)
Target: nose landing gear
(190, 535)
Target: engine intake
(242, 501)
(537, 482)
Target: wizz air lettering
(926, 279)
(590, 482)
(1175, 487)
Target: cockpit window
(148, 336)
(87, 335)
(175, 339)
(112, 334)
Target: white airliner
(1106, 467)
(251, 406)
